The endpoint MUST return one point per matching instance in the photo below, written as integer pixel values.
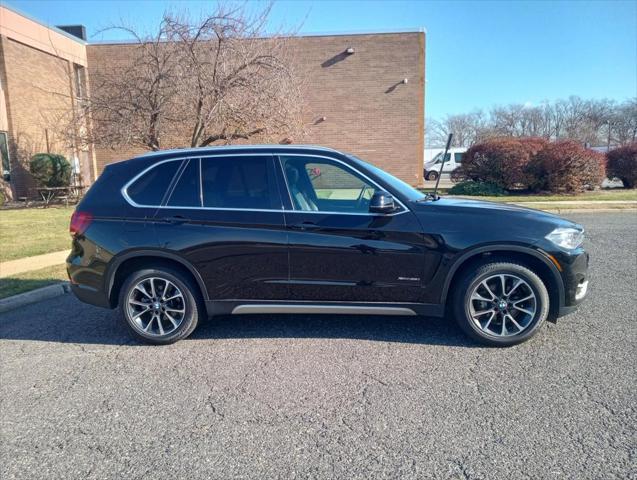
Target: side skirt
(241, 307)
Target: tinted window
(323, 185)
(239, 182)
(458, 157)
(186, 191)
(151, 187)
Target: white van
(452, 161)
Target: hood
(492, 214)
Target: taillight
(79, 222)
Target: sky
(478, 54)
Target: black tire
(473, 278)
(432, 176)
(192, 304)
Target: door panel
(235, 237)
(355, 258)
(338, 250)
(239, 254)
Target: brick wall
(367, 110)
(37, 92)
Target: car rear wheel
(160, 305)
(431, 176)
(501, 303)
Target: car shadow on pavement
(57, 321)
(417, 330)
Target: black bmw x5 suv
(173, 236)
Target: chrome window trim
(131, 202)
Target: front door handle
(305, 226)
(176, 220)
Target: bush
(500, 161)
(566, 166)
(622, 164)
(1, 199)
(478, 189)
(50, 170)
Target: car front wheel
(501, 303)
(432, 176)
(159, 305)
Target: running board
(333, 309)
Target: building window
(4, 151)
(80, 81)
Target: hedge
(50, 170)
(622, 164)
(566, 167)
(500, 161)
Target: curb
(566, 211)
(34, 296)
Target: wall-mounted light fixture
(405, 81)
(350, 50)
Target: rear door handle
(176, 220)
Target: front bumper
(575, 279)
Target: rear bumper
(91, 296)
(86, 282)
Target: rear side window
(186, 191)
(150, 188)
(239, 182)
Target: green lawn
(24, 282)
(32, 231)
(617, 194)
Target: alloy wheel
(156, 306)
(503, 305)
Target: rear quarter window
(151, 187)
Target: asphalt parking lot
(329, 397)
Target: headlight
(568, 238)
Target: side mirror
(382, 202)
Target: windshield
(411, 193)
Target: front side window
(243, 182)
(150, 188)
(323, 185)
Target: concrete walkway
(13, 267)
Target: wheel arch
(126, 263)
(538, 261)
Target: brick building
(369, 102)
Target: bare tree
(467, 129)
(195, 82)
(622, 123)
(592, 122)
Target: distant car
(171, 237)
(453, 160)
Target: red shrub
(502, 161)
(622, 164)
(566, 166)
